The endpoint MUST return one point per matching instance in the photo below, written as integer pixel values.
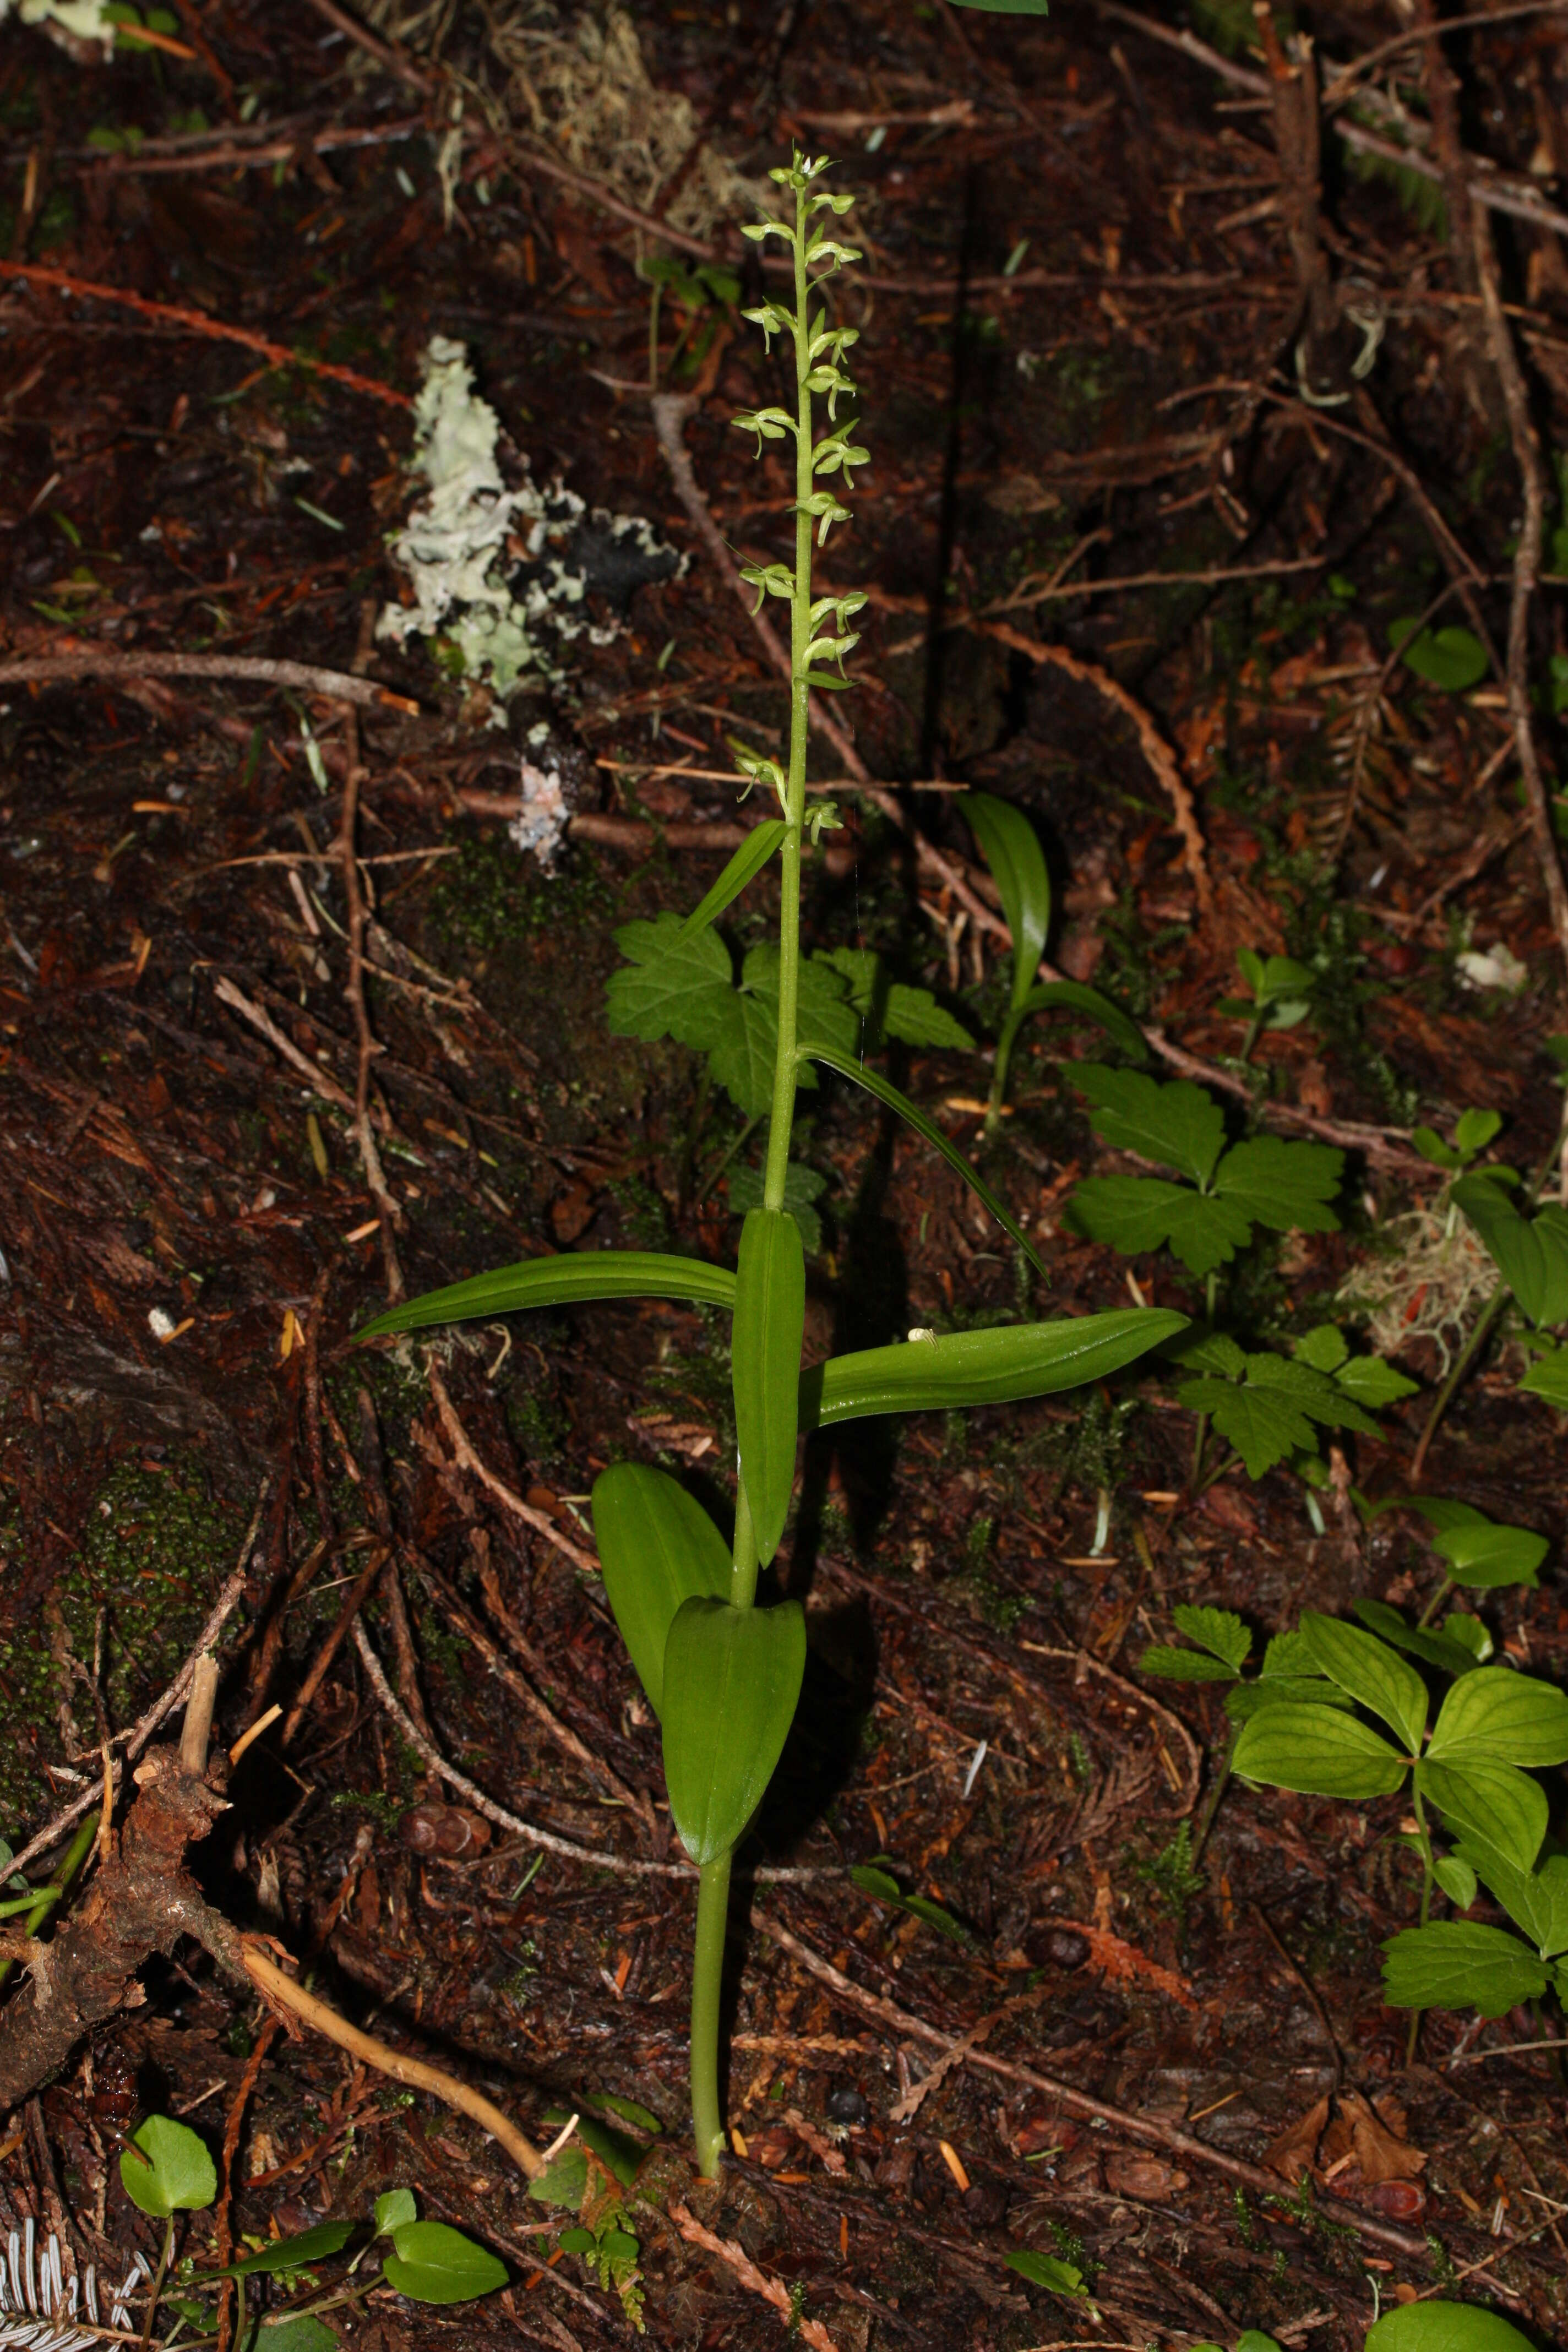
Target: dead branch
(772, 2290)
(94, 661)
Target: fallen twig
(772, 2290)
(1526, 569)
(1145, 2128)
(388, 1211)
(104, 661)
(469, 1460)
(196, 322)
(281, 1994)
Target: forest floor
(1085, 331)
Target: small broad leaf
(1011, 849)
(575, 1279)
(822, 1008)
(1452, 660)
(167, 2168)
(1445, 2327)
(1547, 1378)
(1537, 1900)
(881, 1885)
(1133, 1213)
(1050, 2271)
(293, 2331)
(1287, 1186)
(433, 2264)
(1288, 1653)
(1319, 1750)
(742, 1063)
(770, 1322)
(1531, 1253)
(914, 1016)
(392, 2208)
(1075, 996)
(1432, 1148)
(676, 984)
(1508, 1718)
(958, 1368)
(749, 860)
(1369, 1381)
(1184, 1666)
(1272, 978)
(564, 2182)
(732, 1678)
(1492, 1801)
(1199, 1349)
(1177, 1124)
(1476, 1129)
(1219, 1630)
(1324, 1347)
(802, 1188)
(1438, 1649)
(1373, 1674)
(1488, 1556)
(658, 1549)
(1459, 1964)
(886, 1092)
(1457, 1879)
(291, 2254)
(629, 2112)
(1437, 1510)
(1276, 1690)
(1470, 1635)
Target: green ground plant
(167, 2169)
(722, 1673)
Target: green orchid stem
(786, 1062)
(1004, 1062)
(1427, 1883)
(159, 2275)
(1254, 1031)
(239, 2314)
(1457, 1371)
(1436, 1601)
(707, 1982)
(45, 1897)
(1212, 1801)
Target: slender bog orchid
(721, 1659)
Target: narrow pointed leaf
(433, 2264)
(1075, 996)
(290, 2253)
(1509, 1717)
(1494, 1801)
(1318, 1750)
(770, 1323)
(885, 1092)
(1536, 1899)
(1486, 1557)
(732, 1678)
(1458, 1964)
(571, 1279)
(1011, 848)
(1420, 1641)
(658, 1549)
(960, 1368)
(1373, 1674)
(747, 863)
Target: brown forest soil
(167, 861)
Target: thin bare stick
(1526, 570)
(468, 1459)
(282, 1993)
(198, 1725)
(140, 1733)
(318, 1081)
(472, 1794)
(1138, 2127)
(388, 1210)
(772, 2290)
(353, 1601)
(93, 661)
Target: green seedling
(1443, 2328)
(1451, 659)
(1050, 2271)
(1472, 1133)
(167, 2170)
(1281, 988)
(1011, 849)
(721, 1661)
(1476, 1551)
(883, 1888)
(1468, 1769)
(703, 295)
(1270, 1406)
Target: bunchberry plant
(719, 1658)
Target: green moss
(489, 895)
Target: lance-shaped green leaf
(1494, 1801)
(958, 1368)
(1454, 1656)
(572, 1279)
(732, 1678)
(747, 863)
(1459, 1964)
(1075, 996)
(886, 1092)
(1537, 1899)
(1373, 1674)
(1319, 1750)
(290, 2253)
(1547, 1378)
(1531, 1253)
(1011, 849)
(658, 1549)
(770, 1322)
(1507, 1718)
